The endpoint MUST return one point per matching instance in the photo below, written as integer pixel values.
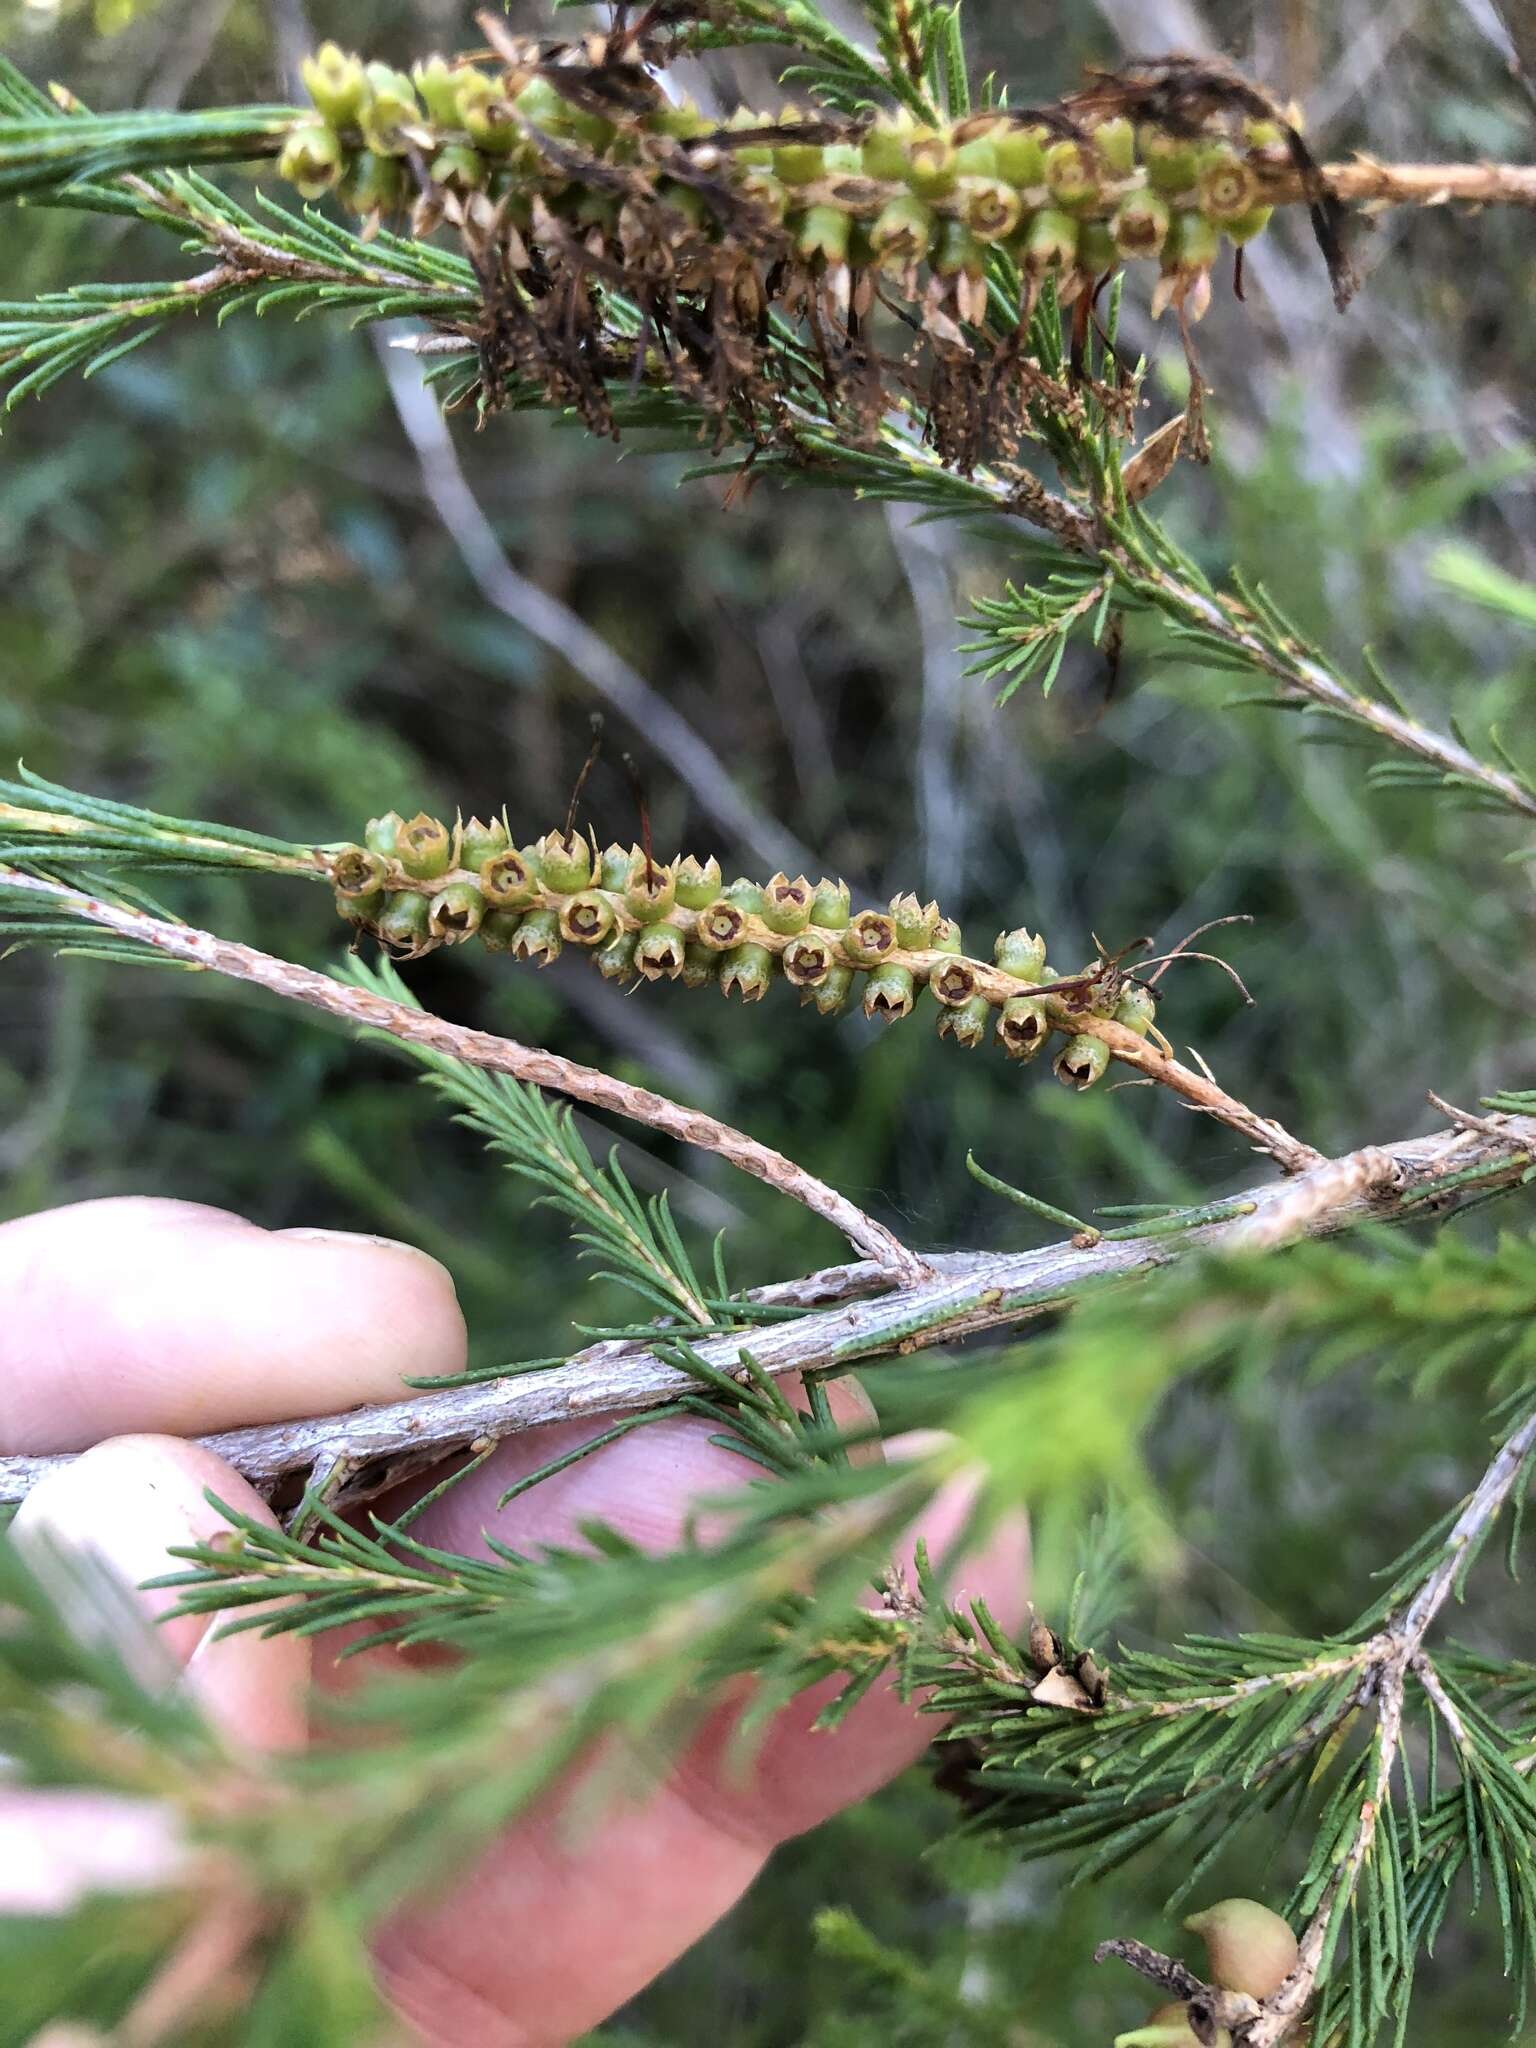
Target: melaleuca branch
(853, 1315)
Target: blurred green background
(227, 589)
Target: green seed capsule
(537, 938)
(698, 883)
(831, 996)
(650, 888)
(507, 880)
(1023, 1026)
(903, 232)
(485, 114)
(337, 83)
(967, 1023)
(958, 253)
(374, 184)
(992, 209)
(830, 906)
(587, 919)
(975, 143)
(1096, 250)
(721, 925)
(884, 153)
(750, 969)
(364, 910)
(787, 904)
(808, 960)
(479, 842)
(613, 868)
(458, 168)
(931, 165)
(356, 871)
(1260, 133)
(425, 847)
(1140, 224)
(1049, 242)
(1020, 953)
(766, 191)
(565, 862)
(746, 895)
(1115, 141)
(700, 966)
(498, 928)
(682, 122)
(456, 913)
(659, 955)
(889, 993)
(616, 960)
(871, 936)
(1069, 176)
(915, 922)
(1136, 1008)
(1248, 225)
(1020, 153)
(1082, 1061)
(541, 103)
(382, 835)
(798, 163)
(390, 109)
(1226, 187)
(437, 81)
(312, 159)
(1172, 161)
(822, 235)
(404, 926)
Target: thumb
(125, 1505)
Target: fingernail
(308, 1233)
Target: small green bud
(565, 862)
(613, 868)
(700, 966)
(831, 996)
(871, 936)
(787, 904)
(543, 104)
(967, 1023)
(404, 926)
(885, 148)
(1251, 1949)
(1049, 242)
(616, 961)
(312, 159)
(822, 235)
(750, 969)
(721, 925)
(437, 81)
(1023, 1026)
(458, 168)
(1096, 250)
(747, 895)
(382, 835)
(336, 82)
(992, 209)
(1020, 153)
(479, 842)
(915, 922)
(1082, 1061)
(374, 184)
(390, 109)
(931, 165)
(498, 928)
(830, 907)
(456, 913)
(1115, 141)
(588, 918)
(650, 888)
(958, 253)
(889, 994)
(975, 143)
(1247, 225)
(660, 953)
(507, 881)
(1262, 134)
(425, 847)
(1226, 187)
(798, 163)
(1136, 1008)
(365, 910)
(356, 871)
(485, 114)
(903, 232)
(1140, 224)
(537, 938)
(698, 883)
(1069, 176)
(1193, 245)
(808, 960)
(1172, 161)
(1020, 953)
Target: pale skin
(143, 1322)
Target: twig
(484, 1049)
(1362, 181)
(962, 1295)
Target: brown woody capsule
(1250, 1948)
(424, 847)
(588, 918)
(456, 913)
(357, 872)
(807, 960)
(1023, 1026)
(871, 937)
(1044, 1645)
(507, 881)
(721, 925)
(660, 952)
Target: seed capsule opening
(357, 872)
(807, 961)
(1023, 1027)
(456, 913)
(660, 952)
(507, 880)
(587, 919)
(871, 936)
(721, 925)
(954, 983)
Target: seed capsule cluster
(572, 171)
(417, 884)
